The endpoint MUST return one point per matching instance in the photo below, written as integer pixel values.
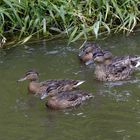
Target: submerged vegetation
(73, 18)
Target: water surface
(113, 114)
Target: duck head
(107, 57)
(98, 57)
(86, 53)
(107, 54)
(30, 75)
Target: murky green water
(114, 113)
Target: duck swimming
(86, 52)
(67, 99)
(48, 87)
(113, 69)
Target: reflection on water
(113, 113)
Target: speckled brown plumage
(117, 68)
(68, 99)
(48, 87)
(87, 51)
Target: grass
(24, 19)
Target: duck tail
(79, 82)
(86, 97)
(82, 99)
(138, 64)
(136, 60)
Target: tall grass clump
(73, 18)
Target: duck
(86, 52)
(48, 87)
(68, 99)
(116, 68)
(133, 60)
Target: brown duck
(67, 99)
(49, 87)
(113, 69)
(86, 52)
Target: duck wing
(118, 71)
(74, 97)
(62, 84)
(54, 87)
(75, 83)
(68, 99)
(132, 61)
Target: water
(113, 114)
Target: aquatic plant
(74, 18)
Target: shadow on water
(113, 113)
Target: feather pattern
(117, 68)
(48, 87)
(68, 99)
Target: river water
(113, 114)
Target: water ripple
(120, 83)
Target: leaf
(56, 29)
(72, 34)
(78, 36)
(96, 28)
(118, 10)
(26, 39)
(44, 25)
(106, 26)
(62, 13)
(107, 10)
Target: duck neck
(108, 61)
(33, 86)
(100, 72)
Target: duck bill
(81, 54)
(44, 96)
(22, 79)
(89, 62)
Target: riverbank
(22, 20)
